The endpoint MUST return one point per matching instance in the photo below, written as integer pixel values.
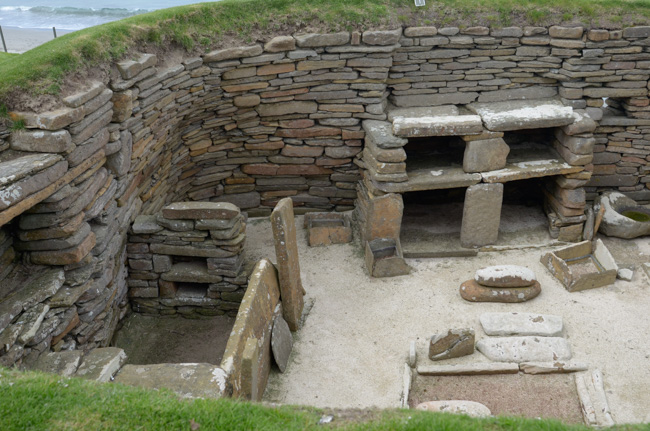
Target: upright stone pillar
(384, 218)
(286, 251)
(481, 215)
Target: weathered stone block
(280, 44)
(254, 319)
(286, 250)
(481, 215)
(382, 37)
(437, 126)
(230, 53)
(384, 217)
(485, 155)
(200, 210)
(313, 40)
(41, 141)
(454, 344)
(474, 292)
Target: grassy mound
(201, 27)
(37, 401)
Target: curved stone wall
(251, 125)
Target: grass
(37, 401)
(205, 26)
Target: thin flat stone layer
(555, 367)
(437, 126)
(474, 292)
(524, 349)
(475, 369)
(505, 276)
(17, 169)
(523, 114)
(428, 111)
(201, 210)
(521, 324)
(459, 407)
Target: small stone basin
(623, 217)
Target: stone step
(521, 324)
(525, 349)
(187, 380)
(101, 364)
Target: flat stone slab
(555, 367)
(101, 364)
(447, 125)
(530, 169)
(459, 407)
(505, 276)
(187, 380)
(478, 368)
(434, 178)
(17, 169)
(428, 111)
(453, 344)
(281, 342)
(525, 349)
(523, 114)
(191, 272)
(380, 133)
(201, 210)
(507, 324)
(474, 292)
(481, 215)
(63, 363)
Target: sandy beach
(19, 40)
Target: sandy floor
(352, 348)
(19, 40)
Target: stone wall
(251, 125)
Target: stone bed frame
(250, 125)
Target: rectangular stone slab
(524, 349)
(432, 178)
(481, 215)
(187, 380)
(437, 126)
(428, 111)
(468, 369)
(530, 169)
(286, 251)
(200, 210)
(523, 114)
(506, 324)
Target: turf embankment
(38, 401)
(205, 26)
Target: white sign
(419, 2)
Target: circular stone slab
(469, 408)
(474, 292)
(505, 276)
(281, 342)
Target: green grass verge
(37, 401)
(204, 26)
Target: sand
(19, 40)
(352, 349)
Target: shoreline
(19, 40)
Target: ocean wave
(67, 10)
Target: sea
(75, 14)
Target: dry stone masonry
(325, 119)
(188, 259)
